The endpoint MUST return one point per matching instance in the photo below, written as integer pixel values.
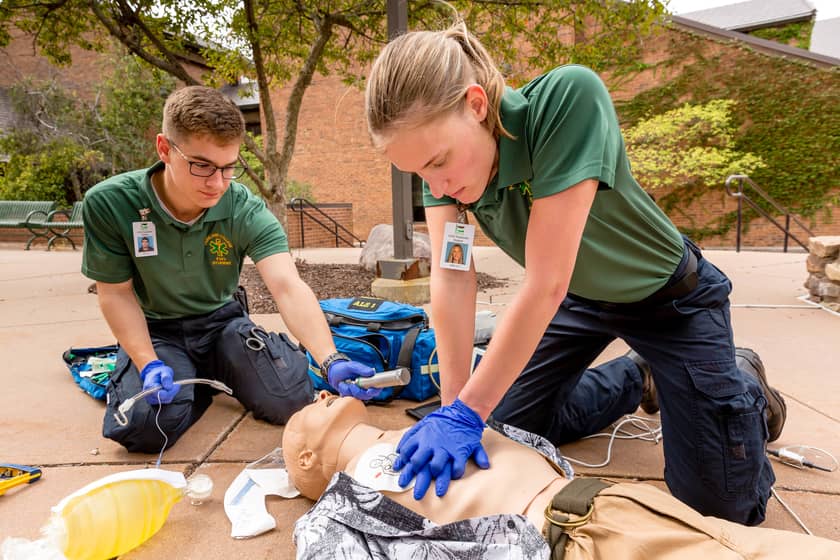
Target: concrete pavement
(47, 421)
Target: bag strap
(404, 357)
(575, 498)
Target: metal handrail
(741, 196)
(300, 205)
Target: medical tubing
(126, 405)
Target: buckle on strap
(558, 518)
(573, 505)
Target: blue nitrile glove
(341, 371)
(439, 447)
(157, 373)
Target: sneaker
(650, 402)
(776, 411)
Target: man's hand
(156, 373)
(439, 446)
(342, 371)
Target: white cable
(649, 433)
(789, 510)
(165, 437)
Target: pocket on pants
(728, 427)
(121, 387)
(279, 365)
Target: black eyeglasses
(204, 169)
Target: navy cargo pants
(269, 379)
(712, 413)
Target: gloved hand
(439, 446)
(158, 373)
(341, 371)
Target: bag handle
(335, 319)
(404, 357)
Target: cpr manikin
(630, 520)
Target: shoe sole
(775, 401)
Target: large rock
(817, 264)
(824, 246)
(833, 271)
(380, 245)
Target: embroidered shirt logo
(525, 188)
(219, 247)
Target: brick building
(333, 153)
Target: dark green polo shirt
(567, 131)
(196, 269)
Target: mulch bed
(328, 281)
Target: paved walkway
(47, 421)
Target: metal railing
(741, 180)
(309, 210)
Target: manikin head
(312, 439)
(433, 107)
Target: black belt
(683, 281)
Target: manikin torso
(519, 480)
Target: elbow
(552, 293)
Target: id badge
(145, 239)
(457, 246)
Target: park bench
(29, 214)
(60, 229)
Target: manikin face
(185, 191)
(313, 436)
(454, 153)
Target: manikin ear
(477, 102)
(306, 459)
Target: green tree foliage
(61, 145)
(685, 149)
(787, 113)
(283, 43)
(793, 34)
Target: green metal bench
(60, 229)
(29, 214)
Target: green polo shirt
(567, 131)
(196, 269)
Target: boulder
(380, 245)
(824, 246)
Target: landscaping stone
(380, 245)
(824, 246)
(823, 265)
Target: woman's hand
(439, 446)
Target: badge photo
(145, 240)
(457, 246)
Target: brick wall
(334, 155)
(314, 234)
(19, 61)
(17, 238)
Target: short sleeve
(573, 128)
(106, 257)
(261, 233)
